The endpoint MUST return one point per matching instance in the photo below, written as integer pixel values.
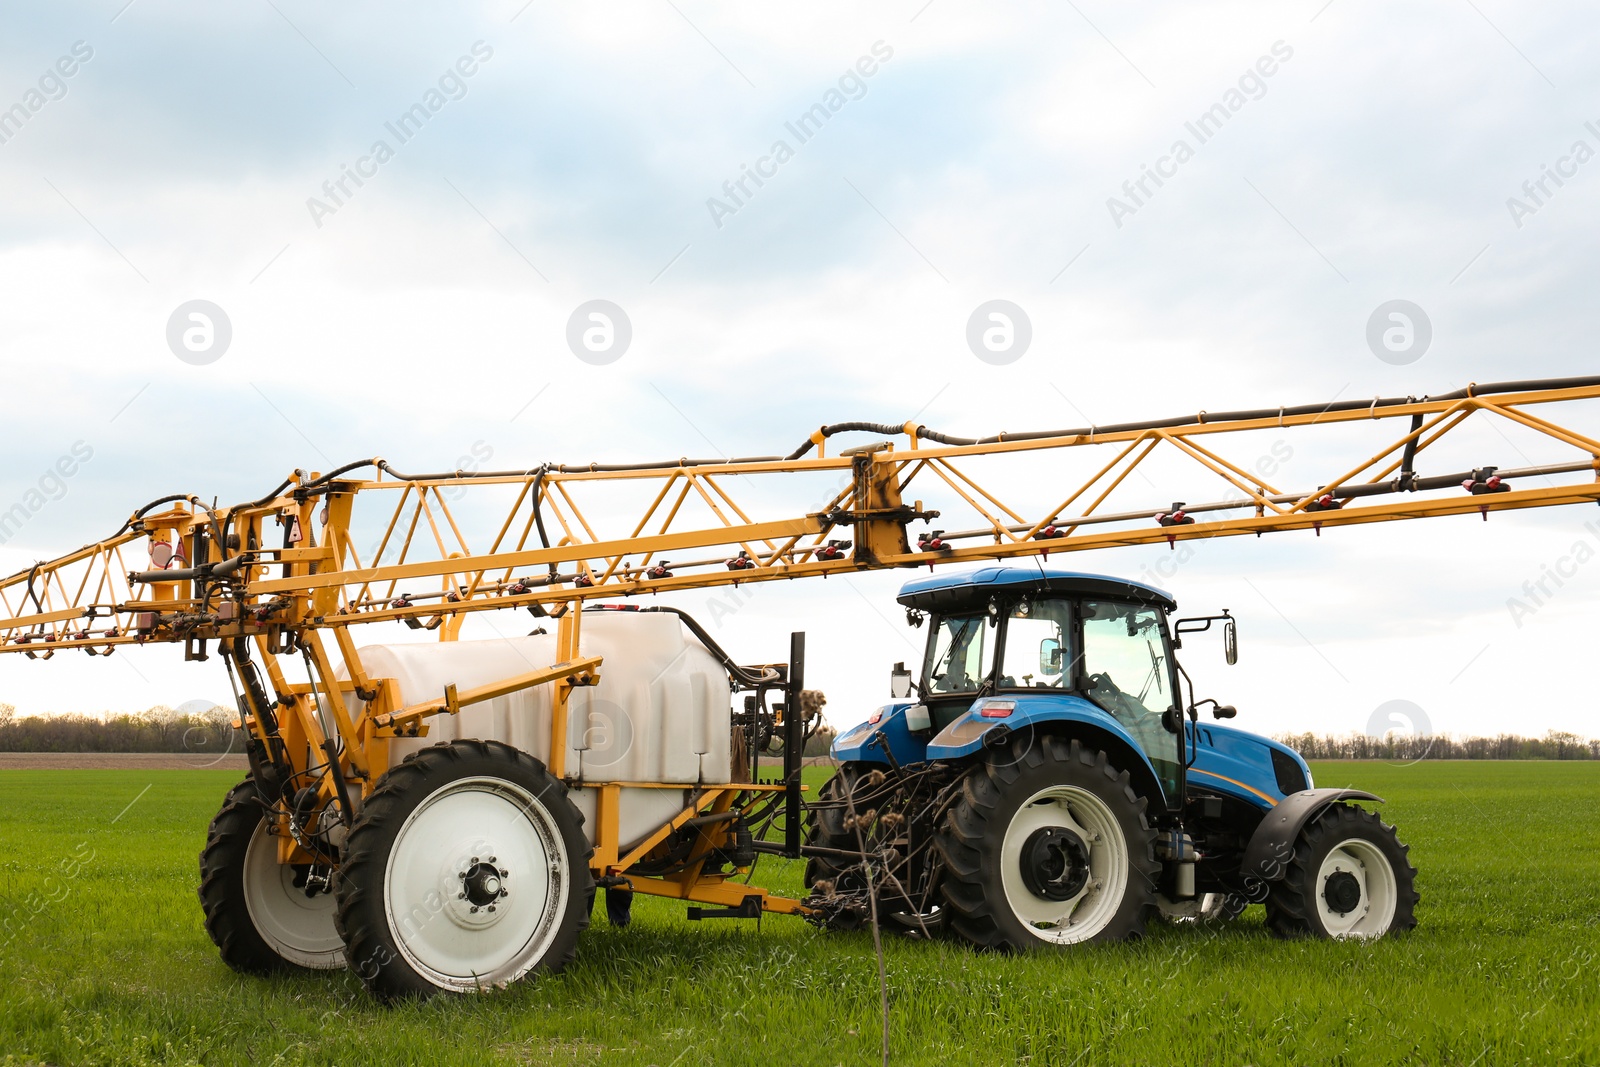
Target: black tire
(973, 840)
(390, 961)
(838, 884)
(1293, 905)
(224, 899)
(825, 823)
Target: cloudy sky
(1369, 153)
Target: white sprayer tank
(661, 712)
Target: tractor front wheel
(1048, 846)
(1349, 877)
(467, 869)
(264, 916)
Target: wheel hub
(1055, 863)
(484, 884)
(476, 888)
(1342, 892)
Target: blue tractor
(1045, 781)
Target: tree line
(1556, 744)
(157, 729)
(164, 729)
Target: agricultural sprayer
(439, 814)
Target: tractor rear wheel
(880, 828)
(825, 823)
(1048, 846)
(259, 911)
(1350, 877)
(467, 869)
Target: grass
(103, 960)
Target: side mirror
(1050, 656)
(1224, 711)
(899, 682)
(1201, 624)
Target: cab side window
(1037, 650)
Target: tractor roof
(949, 589)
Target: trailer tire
(466, 870)
(260, 921)
(1039, 833)
(1347, 862)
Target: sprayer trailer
(439, 815)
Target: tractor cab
(1008, 645)
(1047, 635)
(1014, 647)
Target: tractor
(1047, 780)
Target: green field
(103, 960)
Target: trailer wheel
(1349, 877)
(467, 869)
(1049, 848)
(260, 920)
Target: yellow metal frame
(565, 540)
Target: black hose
(1203, 417)
(538, 515)
(139, 514)
(203, 571)
(331, 475)
(745, 675)
(922, 432)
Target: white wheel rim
(1064, 922)
(450, 848)
(297, 927)
(1374, 911)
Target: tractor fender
(1037, 715)
(1271, 846)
